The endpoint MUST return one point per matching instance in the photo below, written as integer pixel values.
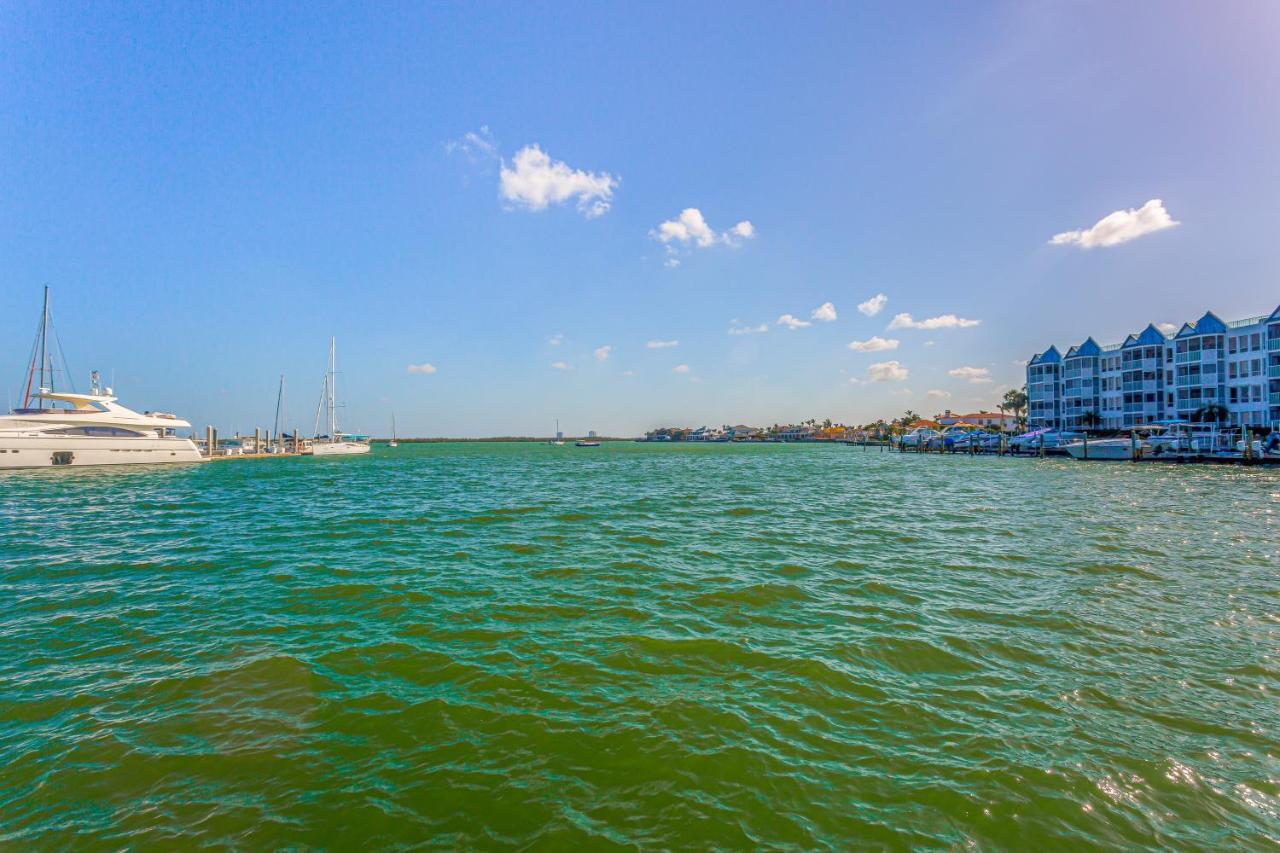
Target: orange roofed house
(990, 420)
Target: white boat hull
(338, 448)
(1113, 449)
(81, 451)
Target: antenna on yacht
(94, 381)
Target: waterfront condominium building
(1152, 376)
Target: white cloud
(792, 322)
(901, 392)
(691, 228)
(602, 353)
(425, 369)
(930, 343)
(628, 373)
(887, 371)
(671, 263)
(479, 147)
(873, 344)
(975, 375)
(1167, 328)
(824, 313)
(874, 305)
(662, 344)
(1019, 362)
(680, 368)
(938, 394)
(1119, 227)
(736, 327)
(560, 365)
(556, 339)
(946, 321)
(535, 181)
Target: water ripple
(519, 645)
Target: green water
(524, 646)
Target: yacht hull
(339, 448)
(83, 451)
(1115, 450)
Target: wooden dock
(231, 456)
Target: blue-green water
(518, 645)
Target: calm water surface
(644, 646)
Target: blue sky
(212, 190)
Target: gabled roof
(1049, 356)
(1088, 348)
(1148, 337)
(1275, 315)
(1209, 324)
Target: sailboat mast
(333, 415)
(279, 406)
(44, 337)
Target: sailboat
(393, 442)
(335, 443)
(558, 441)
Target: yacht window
(96, 431)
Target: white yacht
(1125, 447)
(334, 443)
(90, 429)
(56, 428)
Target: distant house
(992, 420)
(742, 432)
(795, 432)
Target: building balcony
(1275, 399)
(1274, 343)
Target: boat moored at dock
(335, 442)
(90, 429)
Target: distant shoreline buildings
(1207, 370)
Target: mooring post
(1086, 445)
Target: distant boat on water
(589, 441)
(393, 442)
(558, 441)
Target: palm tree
(1090, 420)
(1210, 413)
(1015, 400)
